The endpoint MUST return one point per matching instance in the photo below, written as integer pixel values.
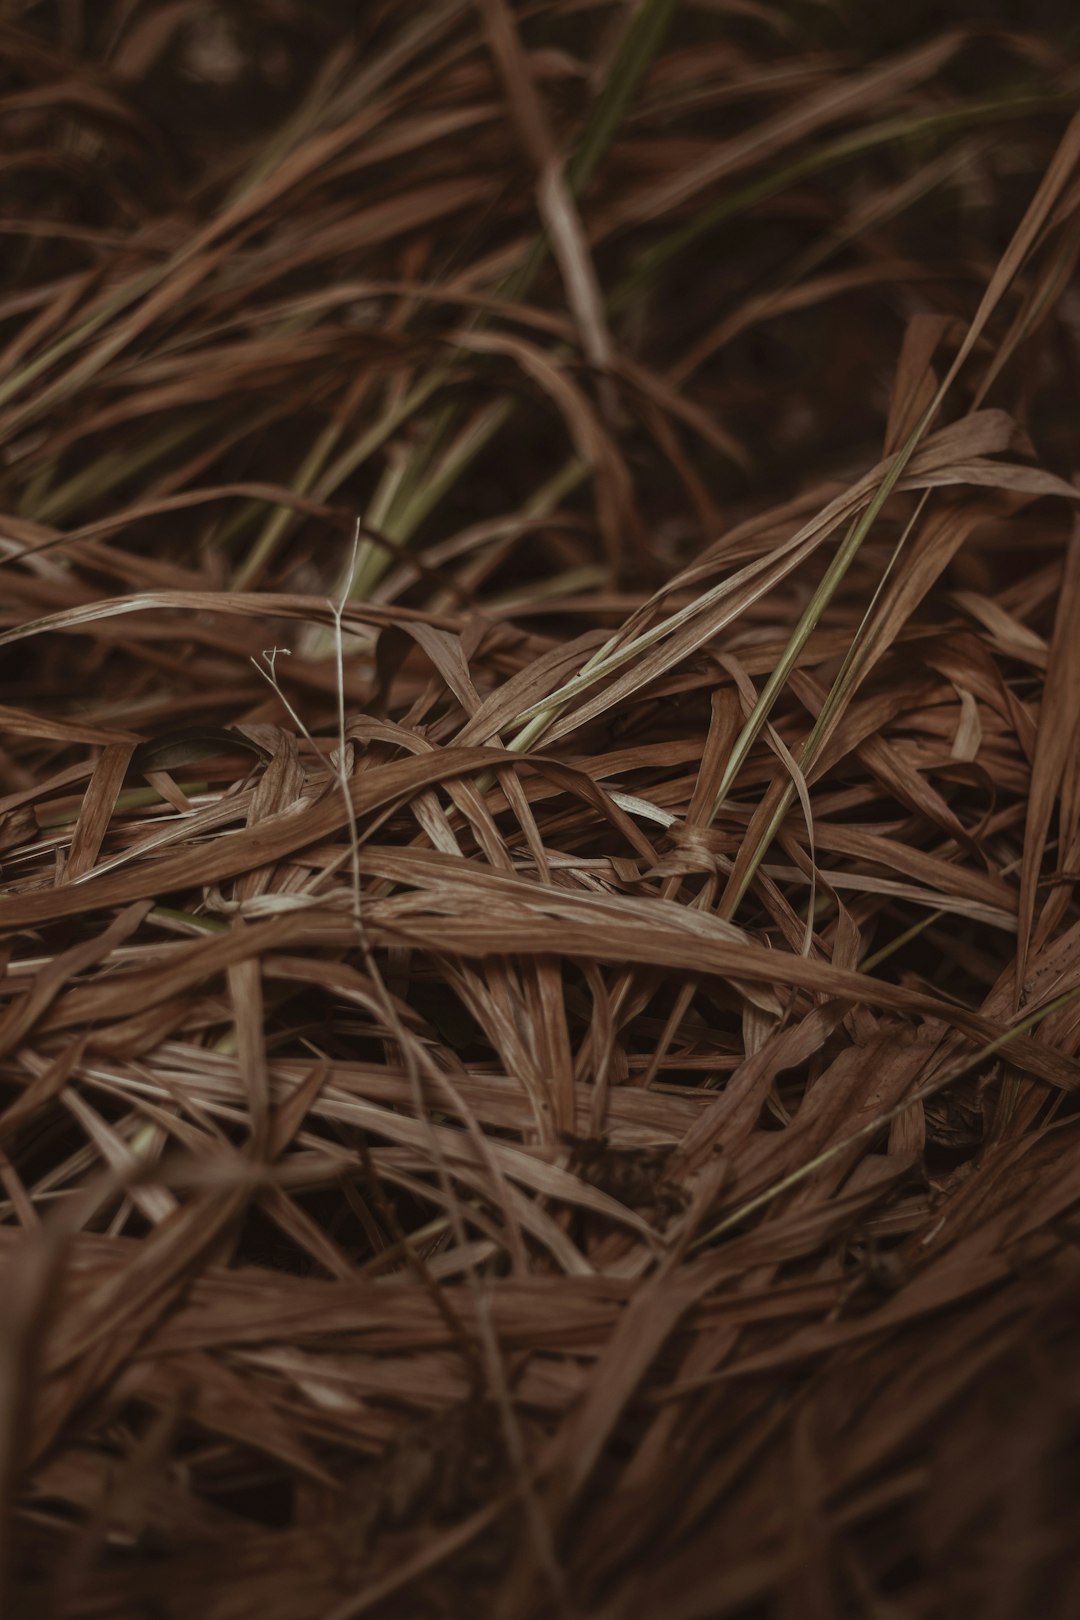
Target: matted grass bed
(539, 810)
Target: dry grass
(538, 1048)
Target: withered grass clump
(539, 811)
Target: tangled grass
(539, 810)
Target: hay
(539, 812)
